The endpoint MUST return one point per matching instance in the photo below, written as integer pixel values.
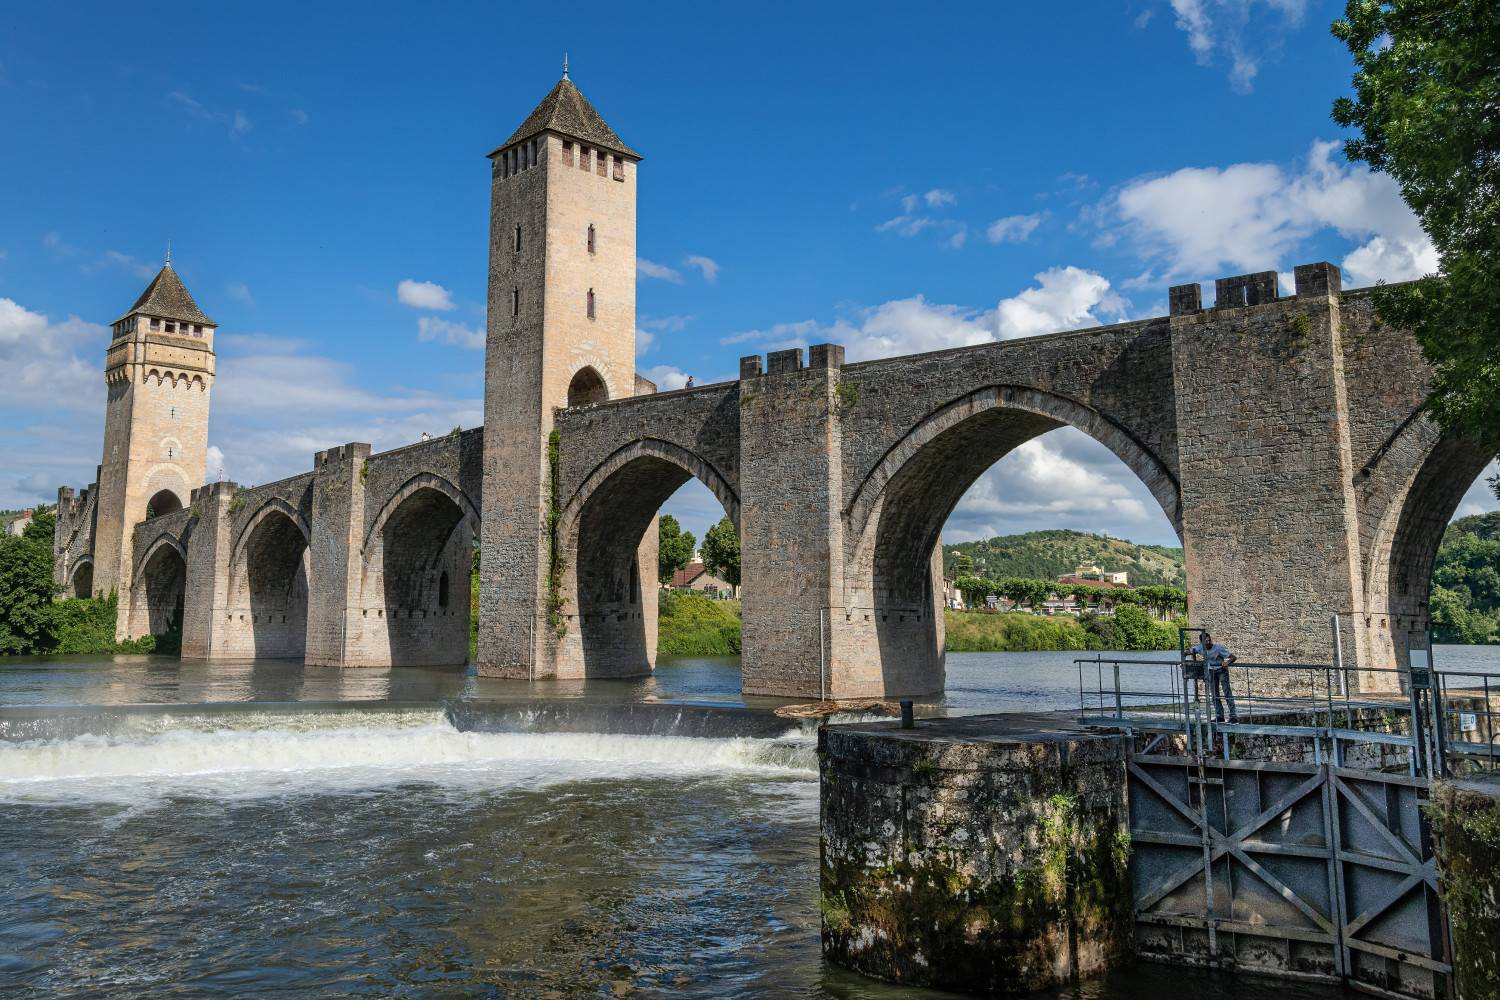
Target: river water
(171, 828)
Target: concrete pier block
(986, 854)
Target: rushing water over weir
(326, 833)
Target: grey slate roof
(566, 111)
(168, 298)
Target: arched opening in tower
(587, 387)
(629, 571)
(156, 597)
(1044, 470)
(269, 587)
(416, 606)
(163, 502)
(82, 583)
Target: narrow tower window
(443, 590)
(567, 153)
(601, 166)
(591, 237)
(517, 245)
(583, 157)
(591, 303)
(515, 302)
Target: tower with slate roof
(159, 370)
(560, 332)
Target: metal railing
(1426, 722)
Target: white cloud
(214, 467)
(1234, 28)
(1063, 479)
(666, 377)
(41, 359)
(298, 116)
(904, 225)
(1013, 228)
(666, 324)
(644, 339)
(435, 328)
(1252, 216)
(423, 295)
(707, 265)
(651, 269)
(240, 292)
(1064, 298)
(114, 258)
(237, 121)
(240, 124)
(936, 198)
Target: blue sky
(891, 178)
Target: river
(178, 828)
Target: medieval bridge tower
(159, 370)
(560, 333)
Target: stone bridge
(1283, 438)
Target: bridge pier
(335, 632)
(206, 599)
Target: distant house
(952, 597)
(695, 576)
(17, 527)
(1092, 574)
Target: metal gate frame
(1301, 870)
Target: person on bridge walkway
(1217, 659)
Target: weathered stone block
(1465, 815)
(987, 854)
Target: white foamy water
(255, 755)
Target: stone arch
(587, 387)
(269, 579)
(606, 535)
(1403, 548)
(417, 555)
(894, 518)
(163, 501)
(81, 577)
(157, 589)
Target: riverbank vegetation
(695, 625)
(1466, 581)
(1129, 629)
(33, 624)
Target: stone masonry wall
(973, 856)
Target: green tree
(721, 551)
(25, 595)
(1427, 106)
(42, 527)
(674, 548)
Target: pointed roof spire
(567, 112)
(169, 253)
(167, 297)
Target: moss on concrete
(1465, 817)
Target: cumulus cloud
(424, 295)
(53, 404)
(666, 377)
(936, 198)
(1063, 479)
(1252, 216)
(214, 467)
(706, 265)
(650, 269)
(1013, 228)
(435, 328)
(644, 339)
(1235, 30)
(1063, 298)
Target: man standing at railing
(1217, 659)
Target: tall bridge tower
(159, 369)
(560, 332)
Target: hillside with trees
(1047, 555)
(1466, 581)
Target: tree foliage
(1465, 604)
(1427, 107)
(721, 551)
(25, 595)
(674, 547)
